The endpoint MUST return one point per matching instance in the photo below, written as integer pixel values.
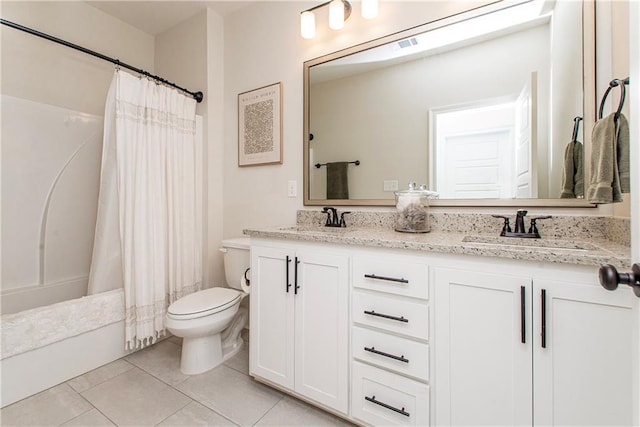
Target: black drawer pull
(382, 353)
(386, 316)
(295, 276)
(523, 322)
(286, 268)
(372, 399)
(543, 309)
(390, 279)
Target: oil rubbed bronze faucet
(519, 227)
(332, 217)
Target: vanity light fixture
(339, 11)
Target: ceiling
(155, 17)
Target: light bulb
(307, 25)
(336, 14)
(369, 9)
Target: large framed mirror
(480, 107)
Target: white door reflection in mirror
(474, 150)
(526, 140)
(485, 149)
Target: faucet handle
(506, 228)
(342, 223)
(533, 229)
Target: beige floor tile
(135, 398)
(293, 412)
(162, 360)
(51, 407)
(232, 394)
(240, 362)
(195, 414)
(175, 340)
(93, 418)
(99, 375)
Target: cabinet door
(584, 373)
(321, 328)
(482, 368)
(272, 315)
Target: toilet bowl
(210, 321)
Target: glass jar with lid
(412, 206)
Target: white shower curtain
(148, 230)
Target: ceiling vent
(407, 42)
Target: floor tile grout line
(131, 365)
(196, 400)
(178, 410)
(173, 386)
(95, 407)
(92, 406)
(270, 409)
(103, 381)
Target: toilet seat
(203, 303)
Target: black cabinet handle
(543, 328)
(390, 279)
(295, 277)
(286, 268)
(372, 399)
(386, 316)
(523, 326)
(382, 353)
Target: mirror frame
(589, 111)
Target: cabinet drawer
(392, 275)
(382, 398)
(391, 352)
(391, 313)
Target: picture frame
(260, 126)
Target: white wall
(42, 71)
(263, 46)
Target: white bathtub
(48, 345)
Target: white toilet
(210, 321)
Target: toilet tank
(236, 260)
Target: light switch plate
(390, 185)
(292, 188)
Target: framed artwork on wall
(260, 126)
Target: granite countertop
(595, 252)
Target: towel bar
(613, 83)
(317, 165)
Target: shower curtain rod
(198, 96)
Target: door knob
(610, 278)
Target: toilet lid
(204, 303)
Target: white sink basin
(530, 243)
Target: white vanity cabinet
(530, 349)
(483, 334)
(584, 374)
(300, 321)
(399, 337)
(390, 339)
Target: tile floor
(147, 389)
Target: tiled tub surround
(598, 240)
